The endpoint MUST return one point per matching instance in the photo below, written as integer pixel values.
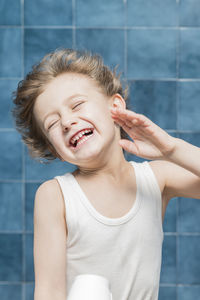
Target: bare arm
(50, 236)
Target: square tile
(7, 86)
(48, 12)
(29, 272)
(30, 190)
(39, 42)
(156, 100)
(188, 105)
(152, 13)
(151, 53)
(11, 212)
(10, 52)
(10, 257)
(169, 224)
(188, 260)
(189, 58)
(10, 16)
(189, 13)
(29, 291)
(192, 138)
(100, 13)
(109, 43)
(188, 292)
(167, 292)
(10, 291)
(188, 215)
(168, 268)
(41, 172)
(11, 156)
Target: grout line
(125, 54)
(23, 175)
(10, 78)
(178, 285)
(125, 40)
(177, 245)
(177, 106)
(22, 20)
(102, 27)
(73, 24)
(178, 70)
(166, 79)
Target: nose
(68, 123)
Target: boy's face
(71, 103)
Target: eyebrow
(66, 99)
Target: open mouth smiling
(80, 137)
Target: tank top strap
(144, 169)
(149, 185)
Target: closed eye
(77, 105)
(57, 120)
(52, 124)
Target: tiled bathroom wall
(156, 44)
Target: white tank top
(126, 250)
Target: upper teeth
(79, 135)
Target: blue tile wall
(152, 13)
(47, 12)
(11, 52)
(100, 13)
(38, 42)
(189, 60)
(10, 16)
(189, 13)
(151, 53)
(112, 49)
(156, 44)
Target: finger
(144, 126)
(125, 112)
(129, 146)
(136, 119)
(123, 122)
(120, 110)
(130, 128)
(133, 132)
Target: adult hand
(149, 140)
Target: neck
(113, 170)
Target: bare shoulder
(51, 189)
(50, 237)
(50, 195)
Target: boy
(106, 217)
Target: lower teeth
(81, 141)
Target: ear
(117, 101)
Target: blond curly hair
(53, 64)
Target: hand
(150, 141)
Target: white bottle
(90, 287)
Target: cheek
(55, 138)
(98, 113)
